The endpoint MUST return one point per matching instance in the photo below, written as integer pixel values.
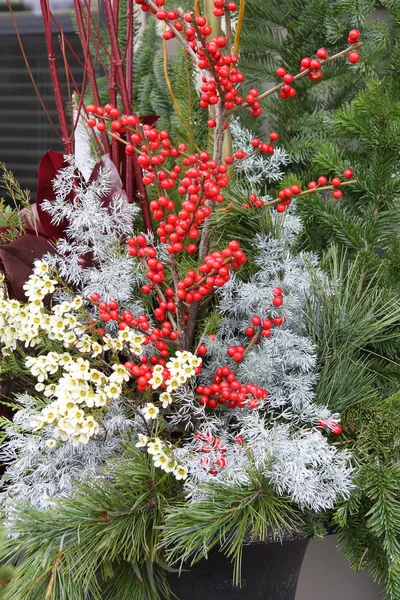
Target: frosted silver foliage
(38, 474)
(283, 438)
(257, 168)
(90, 255)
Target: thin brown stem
(228, 31)
(315, 190)
(180, 307)
(277, 88)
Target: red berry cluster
(111, 113)
(286, 196)
(287, 90)
(109, 311)
(313, 67)
(336, 182)
(226, 388)
(254, 202)
(354, 37)
(202, 180)
(258, 145)
(331, 426)
(214, 272)
(209, 444)
(138, 247)
(260, 327)
(219, 6)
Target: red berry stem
(161, 294)
(254, 340)
(278, 87)
(228, 30)
(212, 70)
(312, 191)
(180, 306)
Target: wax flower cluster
(78, 389)
(28, 322)
(162, 455)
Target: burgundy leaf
(116, 188)
(49, 166)
(17, 259)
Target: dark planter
(269, 571)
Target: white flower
(120, 374)
(180, 472)
(155, 447)
(150, 411)
(40, 267)
(49, 414)
(173, 384)
(166, 399)
(51, 443)
(160, 460)
(183, 356)
(113, 390)
(77, 302)
(143, 440)
(156, 381)
(170, 466)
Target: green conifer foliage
(276, 33)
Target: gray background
(325, 575)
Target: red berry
(315, 64)
(336, 181)
(202, 350)
(273, 136)
(256, 320)
(237, 357)
(280, 208)
(281, 72)
(312, 185)
(234, 245)
(348, 174)
(95, 296)
(354, 36)
(354, 57)
(277, 291)
(277, 301)
(336, 428)
(337, 194)
(322, 180)
(322, 53)
(288, 78)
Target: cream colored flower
(160, 460)
(166, 399)
(155, 447)
(143, 440)
(150, 411)
(180, 472)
